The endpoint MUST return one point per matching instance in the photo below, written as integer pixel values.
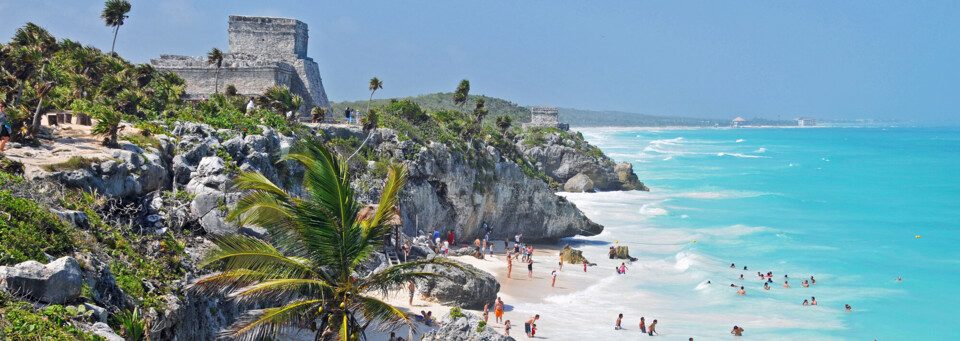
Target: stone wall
(265, 35)
(543, 116)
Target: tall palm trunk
(368, 103)
(115, 31)
(36, 114)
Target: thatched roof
(368, 211)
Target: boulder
(464, 328)
(572, 256)
(75, 218)
(460, 288)
(579, 183)
(628, 179)
(103, 330)
(55, 283)
(622, 252)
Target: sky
(712, 59)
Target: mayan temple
(263, 52)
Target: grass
(21, 321)
(74, 163)
(143, 141)
(28, 230)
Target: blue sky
(831, 59)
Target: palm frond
(241, 252)
(262, 323)
(281, 290)
(401, 274)
(222, 283)
(386, 316)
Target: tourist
(528, 326)
(554, 274)
(653, 328)
(509, 265)
(506, 244)
(486, 312)
(744, 268)
(250, 106)
(760, 275)
(847, 306)
(533, 330)
(406, 251)
(812, 281)
(733, 266)
(786, 285)
(483, 248)
(530, 268)
(445, 249)
(561, 261)
(643, 326)
(498, 310)
(476, 248)
(805, 284)
(490, 249)
(741, 291)
(412, 287)
(898, 277)
(5, 130)
(436, 236)
(813, 301)
(584, 266)
(450, 236)
(805, 302)
(623, 268)
(617, 327)
(612, 252)
(741, 277)
(766, 286)
(737, 331)
(506, 328)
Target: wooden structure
(392, 244)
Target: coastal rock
(622, 252)
(579, 183)
(58, 282)
(460, 288)
(464, 328)
(129, 174)
(563, 156)
(572, 256)
(104, 289)
(628, 179)
(75, 218)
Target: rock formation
(56, 283)
(464, 328)
(563, 156)
(572, 256)
(460, 288)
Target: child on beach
(486, 312)
(528, 326)
(506, 328)
(617, 327)
(554, 274)
(584, 266)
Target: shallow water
(842, 204)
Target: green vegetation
(28, 229)
(481, 325)
(73, 163)
(144, 140)
(215, 56)
(132, 325)
(114, 12)
(455, 312)
(444, 102)
(317, 243)
(21, 321)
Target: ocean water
(842, 204)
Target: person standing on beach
(498, 311)
(506, 328)
(530, 268)
(528, 326)
(486, 312)
(509, 265)
(554, 274)
(412, 287)
(643, 326)
(653, 328)
(476, 248)
(561, 261)
(617, 327)
(450, 236)
(737, 331)
(584, 266)
(612, 252)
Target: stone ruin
(263, 52)
(542, 116)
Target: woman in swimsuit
(506, 328)
(509, 265)
(486, 312)
(530, 268)
(561, 261)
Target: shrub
(456, 313)
(74, 163)
(28, 230)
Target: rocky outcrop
(130, 172)
(622, 252)
(579, 183)
(460, 288)
(103, 330)
(55, 283)
(464, 328)
(572, 256)
(562, 156)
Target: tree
(108, 118)
(503, 122)
(215, 56)
(36, 46)
(463, 91)
(375, 84)
(305, 271)
(369, 124)
(281, 100)
(479, 111)
(114, 12)
(319, 114)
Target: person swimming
(805, 302)
(813, 301)
(737, 331)
(805, 284)
(741, 291)
(643, 326)
(744, 267)
(847, 306)
(786, 284)
(766, 286)
(741, 277)
(899, 279)
(733, 266)
(812, 281)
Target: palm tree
(114, 12)
(281, 100)
(375, 84)
(215, 56)
(369, 124)
(36, 46)
(479, 111)
(319, 114)
(503, 122)
(316, 242)
(463, 90)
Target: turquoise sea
(843, 204)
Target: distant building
(739, 121)
(264, 52)
(541, 116)
(807, 121)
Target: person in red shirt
(450, 237)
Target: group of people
(768, 278)
(350, 115)
(644, 328)
(498, 308)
